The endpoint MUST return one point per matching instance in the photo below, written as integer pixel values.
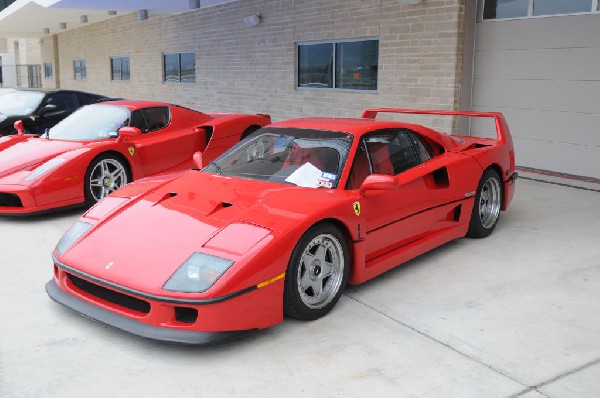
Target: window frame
(164, 71)
(120, 60)
(595, 9)
(82, 69)
(334, 64)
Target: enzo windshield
(20, 103)
(303, 157)
(92, 122)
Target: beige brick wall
(3, 45)
(49, 54)
(252, 69)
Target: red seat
(380, 157)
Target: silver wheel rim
(321, 271)
(489, 203)
(106, 177)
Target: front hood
(148, 240)
(31, 152)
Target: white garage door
(543, 73)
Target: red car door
(398, 217)
(164, 143)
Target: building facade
(534, 60)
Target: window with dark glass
(553, 7)
(151, 119)
(62, 101)
(47, 70)
(179, 67)
(120, 68)
(79, 69)
(356, 64)
(315, 65)
(501, 9)
(350, 65)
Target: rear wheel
(316, 273)
(488, 202)
(106, 174)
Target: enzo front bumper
(134, 327)
(20, 200)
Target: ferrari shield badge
(131, 150)
(356, 206)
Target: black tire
(487, 206)
(304, 302)
(97, 184)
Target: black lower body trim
(134, 327)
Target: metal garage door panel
(557, 127)
(542, 73)
(549, 95)
(564, 158)
(554, 32)
(547, 64)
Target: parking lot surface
(513, 315)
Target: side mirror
(197, 160)
(19, 127)
(379, 182)
(127, 133)
(46, 110)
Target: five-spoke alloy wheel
(488, 202)
(106, 174)
(316, 273)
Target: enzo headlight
(44, 168)
(74, 233)
(197, 274)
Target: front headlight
(74, 233)
(197, 274)
(44, 168)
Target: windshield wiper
(217, 167)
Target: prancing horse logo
(356, 206)
(131, 150)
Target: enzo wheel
(486, 209)
(106, 174)
(316, 273)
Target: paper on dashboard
(306, 175)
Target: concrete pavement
(513, 315)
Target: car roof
(134, 105)
(57, 90)
(354, 126)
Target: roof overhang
(37, 18)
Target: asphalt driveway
(513, 315)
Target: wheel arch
(498, 169)
(118, 155)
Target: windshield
(20, 103)
(303, 157)
(92, 122)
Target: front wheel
(316, 273)
(106, 174)
(486, 209)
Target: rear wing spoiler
(502, 130)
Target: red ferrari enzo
(279, 224)
(102, 147)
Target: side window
(84, 99)
(156, 118)
(63, 101)
(137, 120)
(388, 152)
(423, 148)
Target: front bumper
(134, 327)
(20, 200)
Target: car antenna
(47, 132)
